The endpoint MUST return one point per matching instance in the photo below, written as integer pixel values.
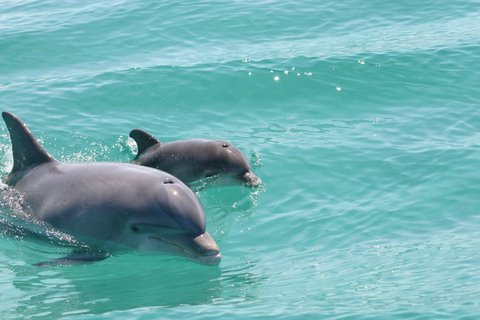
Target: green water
(361, 118)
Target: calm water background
(361, 117)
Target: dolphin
(109, 206)
(195, 159)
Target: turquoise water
(361, 117)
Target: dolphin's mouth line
(173, 244)
(187, 252)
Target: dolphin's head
(176, 225)
(230, 160)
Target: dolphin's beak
(206, 250)
(201, 248)
(251, 179)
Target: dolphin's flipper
(25, 148)
(76, 257)
(144, 140)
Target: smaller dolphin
(109, 206)
(195, 159)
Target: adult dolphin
(195, 159)
(109, 206)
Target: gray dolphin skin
(195, 159)
(109, 206)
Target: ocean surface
(362, 118)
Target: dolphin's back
(104, 194)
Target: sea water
(362, 119)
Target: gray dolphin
(191, 160)
(109, 206)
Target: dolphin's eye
(168, 181)
(134, 229)
(225, 145)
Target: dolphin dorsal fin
(25, 148)
(143, 139)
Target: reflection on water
(126, 282)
